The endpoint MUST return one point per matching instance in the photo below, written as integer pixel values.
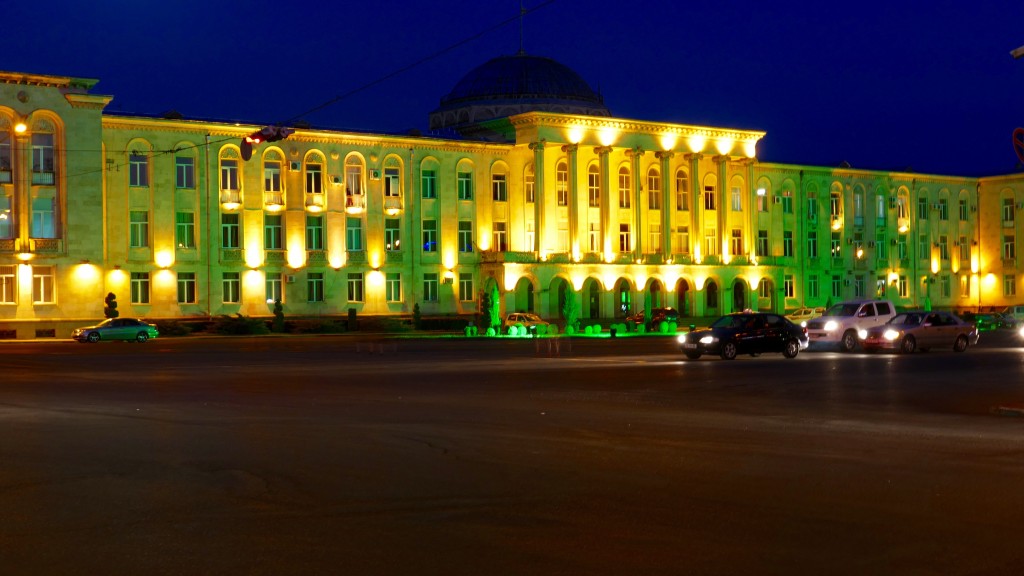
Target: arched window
(562, 183)
(594, 186)
(682, 191)
(653, 189)
(625, 187)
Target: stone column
(696, 202)
(571, 151)
(607, 239)
(539, 196)
(667, 204)
(634, 155)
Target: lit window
(42, 285)
(186, 287)
(355, 286)
(138, 169)
(184, 172)
(138, 229)
(140, 287)
(231, 287)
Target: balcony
(315, 202)
(355, 203)
(392, 205)
(393, 257)
(316, 257)
(273, 201)
(230, 199)
(43, 178)
(5, 177)
(274, 257)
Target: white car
(840, 324)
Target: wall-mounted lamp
(25, 256)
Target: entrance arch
(739, 295)
(657, 300)
(558, 291)
(524, 296)
(683, 292)
(623, 298)
(711, 303)
(591, 299)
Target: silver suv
(840, 323)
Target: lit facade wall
(166, 214)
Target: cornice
(87, 101)
(540, 119)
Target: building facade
(542, 206)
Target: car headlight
(708, 340)
(1021, 332)
(803, 323)
(862, 334)
(891, 335)
(831, 325)
(681, 339)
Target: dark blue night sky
(881, 85)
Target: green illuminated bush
(238, 324)
(596, 328)
(663, 327)
(490, 331)
(552, 330)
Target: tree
(494, 307)
(571, 311)
(110, 306)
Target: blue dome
(522, 77)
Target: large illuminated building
(535, 189)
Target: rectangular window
(392, 183)
(138, 169)
(837, 287)
(229, 237)
(428, 184)
(530, 236)
(392, 234)
(789, 286)
(43, 282)
(184, 172)
(965, 249)
(812, 244)
(835, 205)
(229, 174)
(737, 199)
(314, 232)
(465, 236)
(562, 240)
(8, 282)
(393, 286)
(594, 236)
(231, 288)
(624, 238)
(709, 197)
(944, 286)
(653, 238)
(465, 185)
(499, 188)
(880, 210)
(5, 161)
(272, 177)
(787, 243)
(500, 237)
(787, 202)
(1007, 212)
(858, 286)
(625, 187)
(185, 230)
(812, 209)
(355, 286)
(42, 218)
(965, 286)
(466, 291)
(594, 188)
(42, 159)
(273, 232)
(186, 287)
(923, 247)
(922, 208)
(963, 210)
(763, 246)
(562, 184)
(813, 289)
(1009, 285)
(682, 240)
(943, 209)
(1009, 247)
(140, 287)
(836, 245)
(6, 218)
(138, 229)
(274, 288)
(430, 287)
(430, 235)
(943, 248)
(711, 241)
(762, 200)
(682, 192)
(901, 247)
(530, 187)
(902, 287)
(654, 190)
(858, 209)
(354, 234)
(315, 287)
(736, 242)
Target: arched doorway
(739, 295)
(524, 300)
(711, 303)
(684, 307)
(591, 299)
(656, 294)
(623, 299)
(558, 291)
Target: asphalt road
(340, 455)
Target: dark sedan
(745, 333)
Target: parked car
(658, 315)
(525, 319)
(131, 329)
(920, 330)
(804, 314)
(745, 333)
(840, 323)
(1014, 315)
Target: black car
(745, 333)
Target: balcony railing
(392, 205)
(274, 201)
(42, 178)
(315, 202)
(355, 203)
(5, 177)
(230, 199)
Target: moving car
(526, 319)
(840, 324)
(803, 314)
(745, 333)
(658, 315)
(920, 330)
(131, 329)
